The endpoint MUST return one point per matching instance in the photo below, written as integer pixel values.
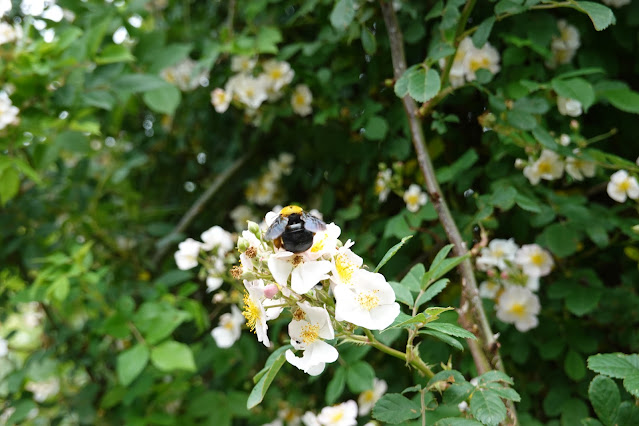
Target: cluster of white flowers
(513, 277)
(266, 189)
(414, 196)
(565, 45)
(623, 186)
(187, 75)
(551, 166)
(9, 33)
(250, 89)
(8, 112)
(324, 288)
(214, 252)
(469, 59)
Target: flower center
(625, 185)
(518, 309)
(368, 395)
(368, 300)
(412, 199)
(477, 63)
(337, 417)
(276, 74)
(228, 325)
(537, 259)
(251, 312)
(345, 268)
(544, 167)
(300, 100)
(310, 333)
(320, 243)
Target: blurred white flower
(187, 254)
(5, 7)
(250, 91)
(497, 253)
(622, 186)
(230, 328)
(616, 3)
(579, 168)
(240, 215)
(4, 347)
(221, 99)
(278, 74)
(368, 398)
(344, 414)
(414, 198)
(308, 330)
(8, 112)
(382, 182)
(255, 313)
(185, 75)
(564, 139)
(489, 289)
(458, 69)
(569, 107)
(534, 260)
(9, 33)
(44, 390)
(369, 303)
(301, 100)
(243, 64)
(485, 58)
(217, 238)
(548, 166)
(519, 306)
(565, 46)
(310, 419)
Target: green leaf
(131, 363)
(336, 386)
(544, 138)
(503, 392)
(137, 83)
(432, 291)
(72, 141)
(424, 85)
(631, 383)
(624, 99)
(449, 376)
(463, 163)
(451, 341)
(487, 407)
(391, 252)
(114, 53)
(342, 14)
(581, 301)
(394, 408)
(360, 376)
(451, 330)
(457, 421)
(437, 271)
(575, 88)
(413, 278)
(438, 51)
(402, 294)
(9, 184)
(267, 39)
(604, 397)
(527, 204)
(614, 365)
(376, 128)
(157, 321)
(574, 366)
(172, 355)
(368, 41)
(164, 100)
(401, 85)
(495, 376)
(561, 239)
(483, 32)
(59, 289)
(259, 390)
(521, 119)
(600, 15)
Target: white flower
(221, 99)
(414, 198)
(217, 237)
(5, 7)
(382, 182)
(184, 75)
(278, 74)
(570, 107)
(345, 264)
(368, 398)
(489, 289)
(213, 283)
(325, 242)
(579, 168)
(240, 215)
(370, 303)
(498, 253)
(344, 414)
(255, 313)
(301, 100)
(4, 347)
(243, 64)
(458, 68)
(617, 3)
(485, 58)
(305, 273)
(42, 391)
(31, 314)
(250, 91)
(285, 161)
(548, 166)
(532, 282)
(519, 306)
(622, 186)
(534, 260)
(308, 330)
(276, 422)
(565, 46)
(230, 328)
(187, 254)
(564, 139)
(8, 112)
(9, 33)
(263, 190)
(310, 419)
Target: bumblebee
(294, 229)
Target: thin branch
(230, 16)
(164, 244)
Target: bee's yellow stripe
(289, 210)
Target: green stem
(416, 362)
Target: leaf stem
(416, 362)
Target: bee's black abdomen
(297, 241)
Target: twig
(485, 352)
(230, 16)
(196, 208)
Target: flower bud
(520, 163)
(574, 125)
(242, 244)
(254, 228)
(564, 139)
(270, 291)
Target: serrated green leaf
(451, 330)
(449, 376)
(504, 392)
(394, 408)
(360, 376)
(443, 268)
(614, 365)
(391, 252)
(495, 376)
(574, 366)
(270, 361)
(336, 386)
(521, 120)
(259, 390)
(631, 383)
(600, 15)
(342, 14)
(424, 84)
(605, 398)
(402, 294)
(575, 88)
(401, 85)
(432, 291)
(487, 407)
(457, 421)
(483, 32)
(131, 363)
(413, 278)
(172, 355)
(451, 341)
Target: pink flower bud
(504, 275)
(490, 273)
(270, 291)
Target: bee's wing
(277, 228)
(312, 223)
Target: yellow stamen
(251, 312)
(368, 300)
(518, 309)
(537, 259)
(544, 167)
(345, 268)
(368, 395)
(310, 333)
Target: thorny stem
(472, 316)
(164, 244)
